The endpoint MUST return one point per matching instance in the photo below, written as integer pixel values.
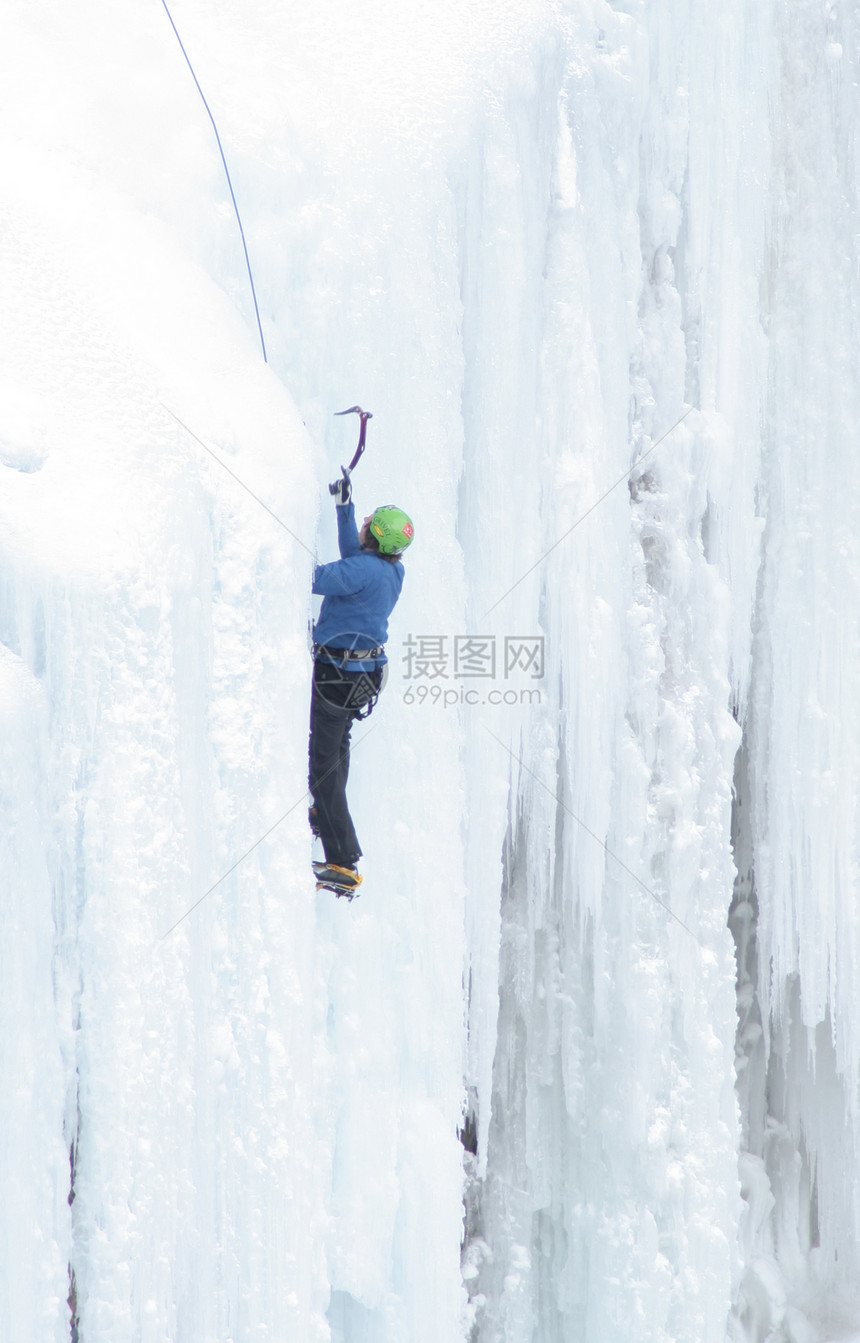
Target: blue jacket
(359, 592)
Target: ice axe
(364, 416)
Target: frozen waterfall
(581, 1065)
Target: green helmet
(392, 529)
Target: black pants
(337, 699)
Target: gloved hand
(342, 489)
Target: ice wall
(247, 1115)
(717, 146)
(799, 773)
(594, 270)
(610, 1197)
(151, 620)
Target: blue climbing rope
(227, 172)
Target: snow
(594, 270)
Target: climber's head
(388, 531)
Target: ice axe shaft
(364, 416)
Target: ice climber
(359, 592)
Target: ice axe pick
(364, 416)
